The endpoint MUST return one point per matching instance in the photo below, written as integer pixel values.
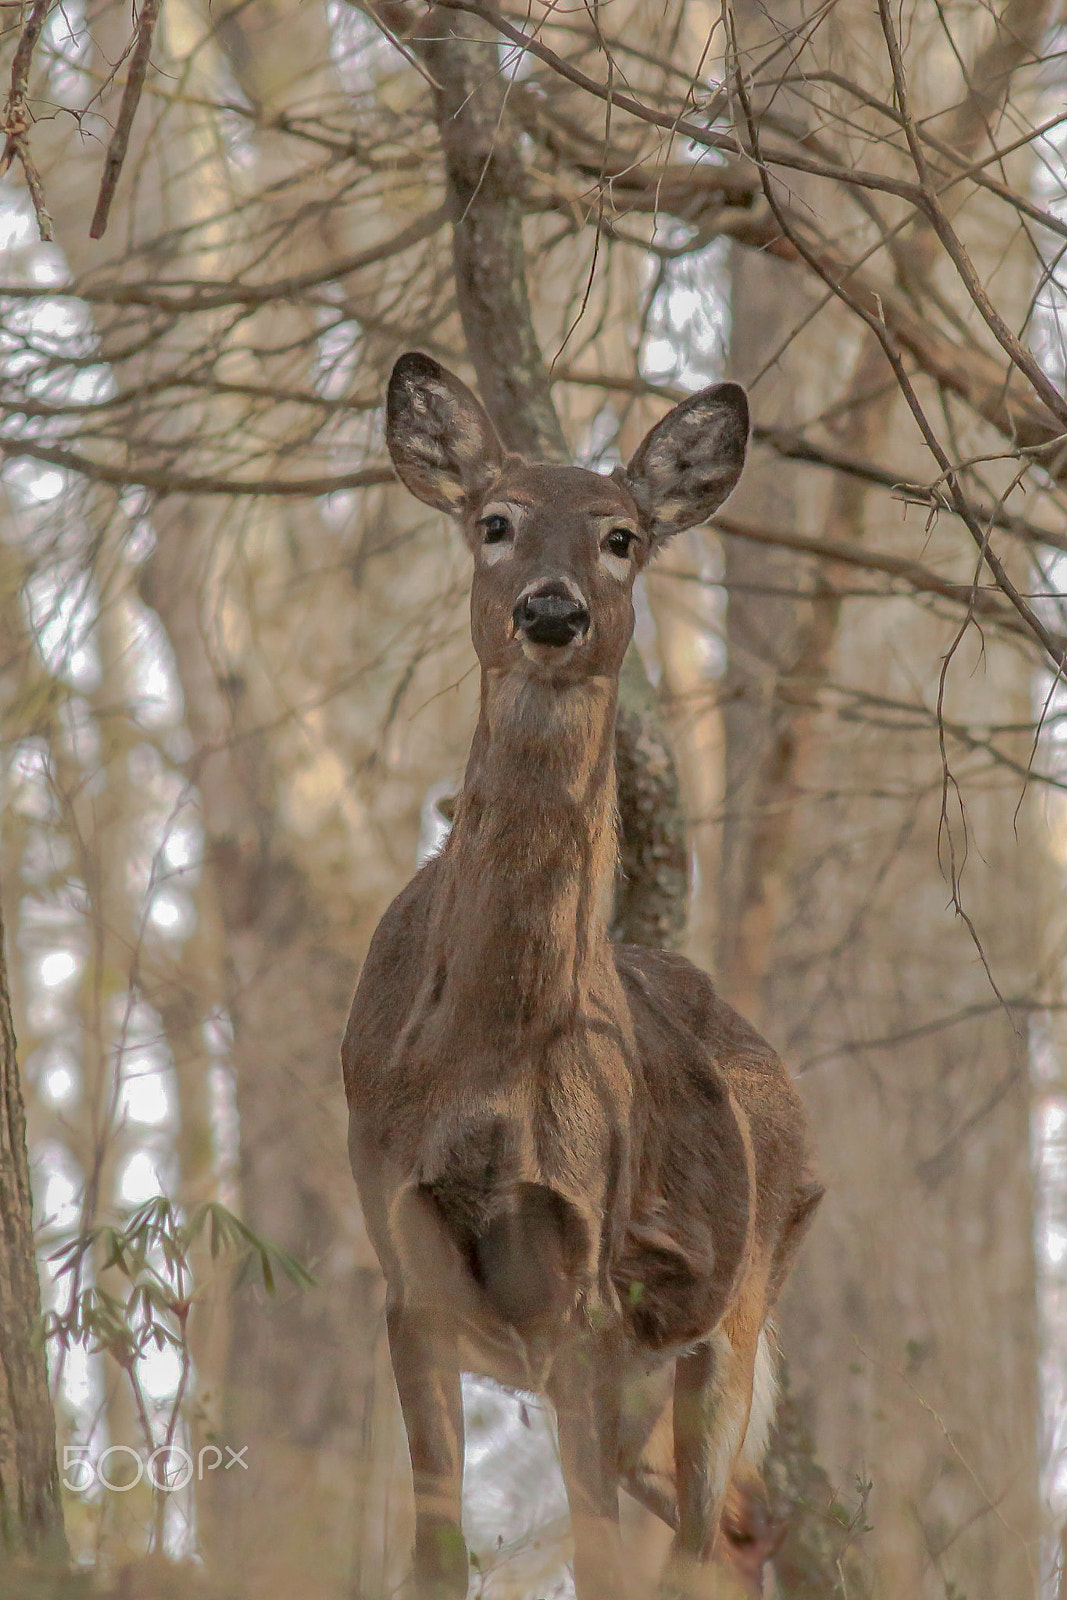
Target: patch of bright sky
(35, 484)
(599, 450)
(338, 351)
(168, 851)
(58, 969)
(61, 611)
(61, 1190)
(338, 509)
(26, 260)
(155, 693)
(1052, 1117)
(359, 51)
(140, 1177)
(62, 327)
(689, 323)
(434, 826)
(183, 846)
(235, 128)
(146, 1092)
(59, 1081)
(173, 913)
(83, 1389)
(218, 1034)
(687, 344)
(16, 227)
(28, 784)
(90, 385)
(67, 48)
(159, 1371)
(144, 1096)
(51, 940)
(1048, 1124)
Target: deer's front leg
(712, 1398)
(424, 1354)
(585, 1388)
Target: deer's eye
(495, 528)
(619, 542)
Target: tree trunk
(31, 1517)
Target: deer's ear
(683, 470)
(443, 445)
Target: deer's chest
(491, 1105)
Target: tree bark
(31, 1516)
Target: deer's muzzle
(551, 614)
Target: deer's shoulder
(663, 985)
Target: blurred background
(235, 662)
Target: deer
(584, 1174)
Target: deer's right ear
(443, 445)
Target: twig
(983, 602)
(879, 327)
(17, 120)
(935, 215)
(116, 150)
(792, 445)
(709, 138)
(165, 481)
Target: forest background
(235, 673)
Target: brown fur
(580, 1168)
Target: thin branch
(983, 602)
(854, 177)
(17, 120)
(932, 208)
(791, 445)
(163, 481)
(883, 333)
(131, 95)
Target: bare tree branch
(16, 122)
(131, 96)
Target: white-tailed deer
(583, 1173)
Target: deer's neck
(527, 874)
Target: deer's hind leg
(712, 1405)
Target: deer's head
(556, 549)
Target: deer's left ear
(683, 470)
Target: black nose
(551, 616)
